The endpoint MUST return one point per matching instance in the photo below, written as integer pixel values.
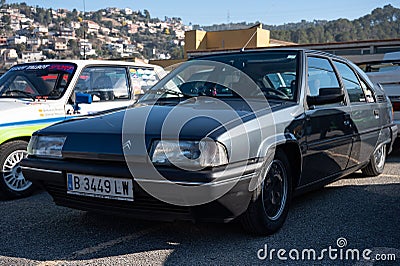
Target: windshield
(272, 75)
(39, 80)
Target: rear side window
(351, 83)
(320, 75)
(142, 79)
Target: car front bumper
(52, 175)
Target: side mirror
(81, 98)
(326, 96)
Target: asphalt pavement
(354, 221)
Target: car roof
(260, 50)
(96, 62)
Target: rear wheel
(377, 162)
(270, 205)
(12, 182)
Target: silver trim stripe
(191, 183)
(41, 170)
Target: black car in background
(223, 136)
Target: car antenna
(252, 36)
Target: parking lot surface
(356, 213)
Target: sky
(208, 12)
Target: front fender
(15, 132)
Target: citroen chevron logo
(127, 145)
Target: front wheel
(268, 210)
(377, 162)
(12, 182)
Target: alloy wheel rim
(12, 172)
(275, 190)
(379, 157)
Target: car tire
(12, 182)
(376, 163)
(262, 216)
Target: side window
(104, 83)
(369, 94)
(351, 83)
(320, 75)
(142, 79)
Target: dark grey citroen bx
(223, 136)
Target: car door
(109, 87)
(329, 129)
(365, 113)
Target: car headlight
(204, 153)
(46, 146)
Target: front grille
(142, 202)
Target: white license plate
(100, 187)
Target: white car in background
(36, 95)
(386, 73)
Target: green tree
(74, 47)
(177, 52)
(147, 15)
(6, 19)
(20, 48)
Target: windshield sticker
(60, 67)
(66, 68)
(29, 67)
(143, 74)
(133, 73)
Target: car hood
(15, 110)
(25, 111)
(104, 135)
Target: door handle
(346, 120)
(376, 113)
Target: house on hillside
(8, 58)
(40, 31)
(3, 41)
(60, 44)
(132, 28)
(105, 31)
(15, 40)
(33, 43)
(32, 56)
(86, 48)
(128, 11)
(91, 26)
(66, 33)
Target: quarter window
(142, 79)
(351, 83)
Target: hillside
(116, 33)
(382, 23)
(105, 33)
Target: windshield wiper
(27, 94)
(170, 91)
(173, 92)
